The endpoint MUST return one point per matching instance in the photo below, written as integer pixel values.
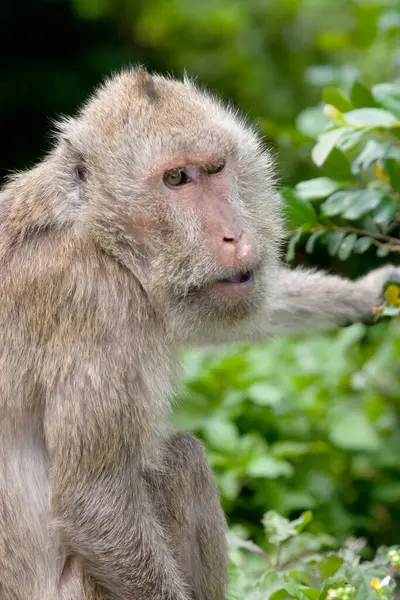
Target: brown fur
(105, 272)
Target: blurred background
(293, 424)
(272, 58)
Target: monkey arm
(307, 300)
(301, 301)
(99, 497)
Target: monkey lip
(238, 279)
(236, 286)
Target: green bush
(295, 424)
(301, 566)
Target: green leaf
(383, 251)
(371, 152)
(346, 247)
(388, 94)
(329, 565)
(326, 143)
(389, 21)
(277, 528)
(290, 449)
(337, 165)
(385, 211)
(387, 492)
(334, 239)
(229, 484)
(352, 430)
(270, 583)
(392, 168)
(335, 97)
(264, 393)
(371, 117)
(351, 139)
(337, 203)
(390, 311)
(269, 467)
(311, 593)
(289, 586)
(292, 244)
(362, 244)
(312, 121)
(312, 239)
(221, 434)
(301, 522)
(361, 96)
(363, 202)
(278, 586)
(321, 187)
(298, 209)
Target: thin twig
(252, 547)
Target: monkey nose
(245, 249)
(240, 247)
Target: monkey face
(219, 254)
(214, 232)
(216, 236)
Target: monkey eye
(175, 178)
(215, 168)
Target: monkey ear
(77, 162)
(72, 141)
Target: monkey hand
(372, 286)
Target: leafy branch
(355, 203)
(378, 239)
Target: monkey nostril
(229, 238)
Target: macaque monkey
(151, 225)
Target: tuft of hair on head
(146, 84)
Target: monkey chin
(205, 313)
(233, 299)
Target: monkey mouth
(237, 287)
(239, 279)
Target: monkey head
(179, 189)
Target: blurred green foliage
(306, 423)
(295, 423)
(270, 58)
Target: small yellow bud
(333, 113)
(392, 294)
(379, 173)
(374, 583)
